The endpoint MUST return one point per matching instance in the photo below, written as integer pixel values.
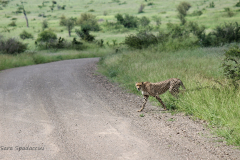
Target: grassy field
(210, 96)
(165, 9)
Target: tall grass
(209, 96)
(25, 59)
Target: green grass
(209, 95)
(210, 17)
(198, 68)
(25, 59)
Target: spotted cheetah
(156, 89)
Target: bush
(90, 20)
(91, 10)
(231, 64)
(26, 35)
(105, 13)
(195, 29)
(141, 40)
(238, 4)
(150, 4)
(12, 24)
(183, 7)
(46, 36)
(144, 21)
(230, 14)
(44, 24)
(222, 34)
(157, 19)
(196, 13)
(12, 46)
(63, 21)
(84, 33)
(113, 25)
(127, 21)
(227, 33)
(60, 43)
(211, 5)
(177, 31)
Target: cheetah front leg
(144, 102)
(159, 99)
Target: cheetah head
(139, 85)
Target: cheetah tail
(182, 85)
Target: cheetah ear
(142, 82)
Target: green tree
(88, 19)
(70, 23)
(46, 36)
(182, 9)
(22, 10)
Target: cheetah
(156, 89)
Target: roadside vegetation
(150, 40)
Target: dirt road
(62, 110)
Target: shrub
(230, 14)
(196, 29)
(227, 33)
(150, 4)
(238, 4)
(44, 24)
(120, 18)
(84, 33)
(85, 17)
(127, 21)
(116, 1)
(196, 13)
(59, 43)
(90, 20)
(26, 35)
(141, 40)
(12, 46)
(141, 8)
(182, 9)
(144, 21)
(157, 19)
(62, 21)
(207, 40)
(113, 25)
(231, 65)
(177, 31)
(46, 36)
(222, 34)
(105, 13)
(78, 45)
(12, 24)
(211, 5)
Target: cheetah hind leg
(144, 102)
